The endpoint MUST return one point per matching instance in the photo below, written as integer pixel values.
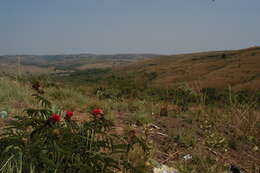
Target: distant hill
(51, 63)
(220, 69)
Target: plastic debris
(3, 114)
(187, 157)
(165, 169)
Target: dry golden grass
(239, 69)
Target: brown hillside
(239, 69)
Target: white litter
(165, 169)
(187, 157)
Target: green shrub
(183, 96)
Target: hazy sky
(125, 26)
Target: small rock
(3, 114)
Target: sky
(127, 26)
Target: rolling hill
(239, 69)
(220, 69)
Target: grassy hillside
(215, 131)
(239, 69)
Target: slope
(239, 69)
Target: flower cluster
(97, 113)
(68, 115)
(55, 118)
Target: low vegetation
(216, 127)
(102, 120)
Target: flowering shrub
(42, 142)
(97, 113)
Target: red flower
(55, 118)
(97, 112)
(69, 114)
